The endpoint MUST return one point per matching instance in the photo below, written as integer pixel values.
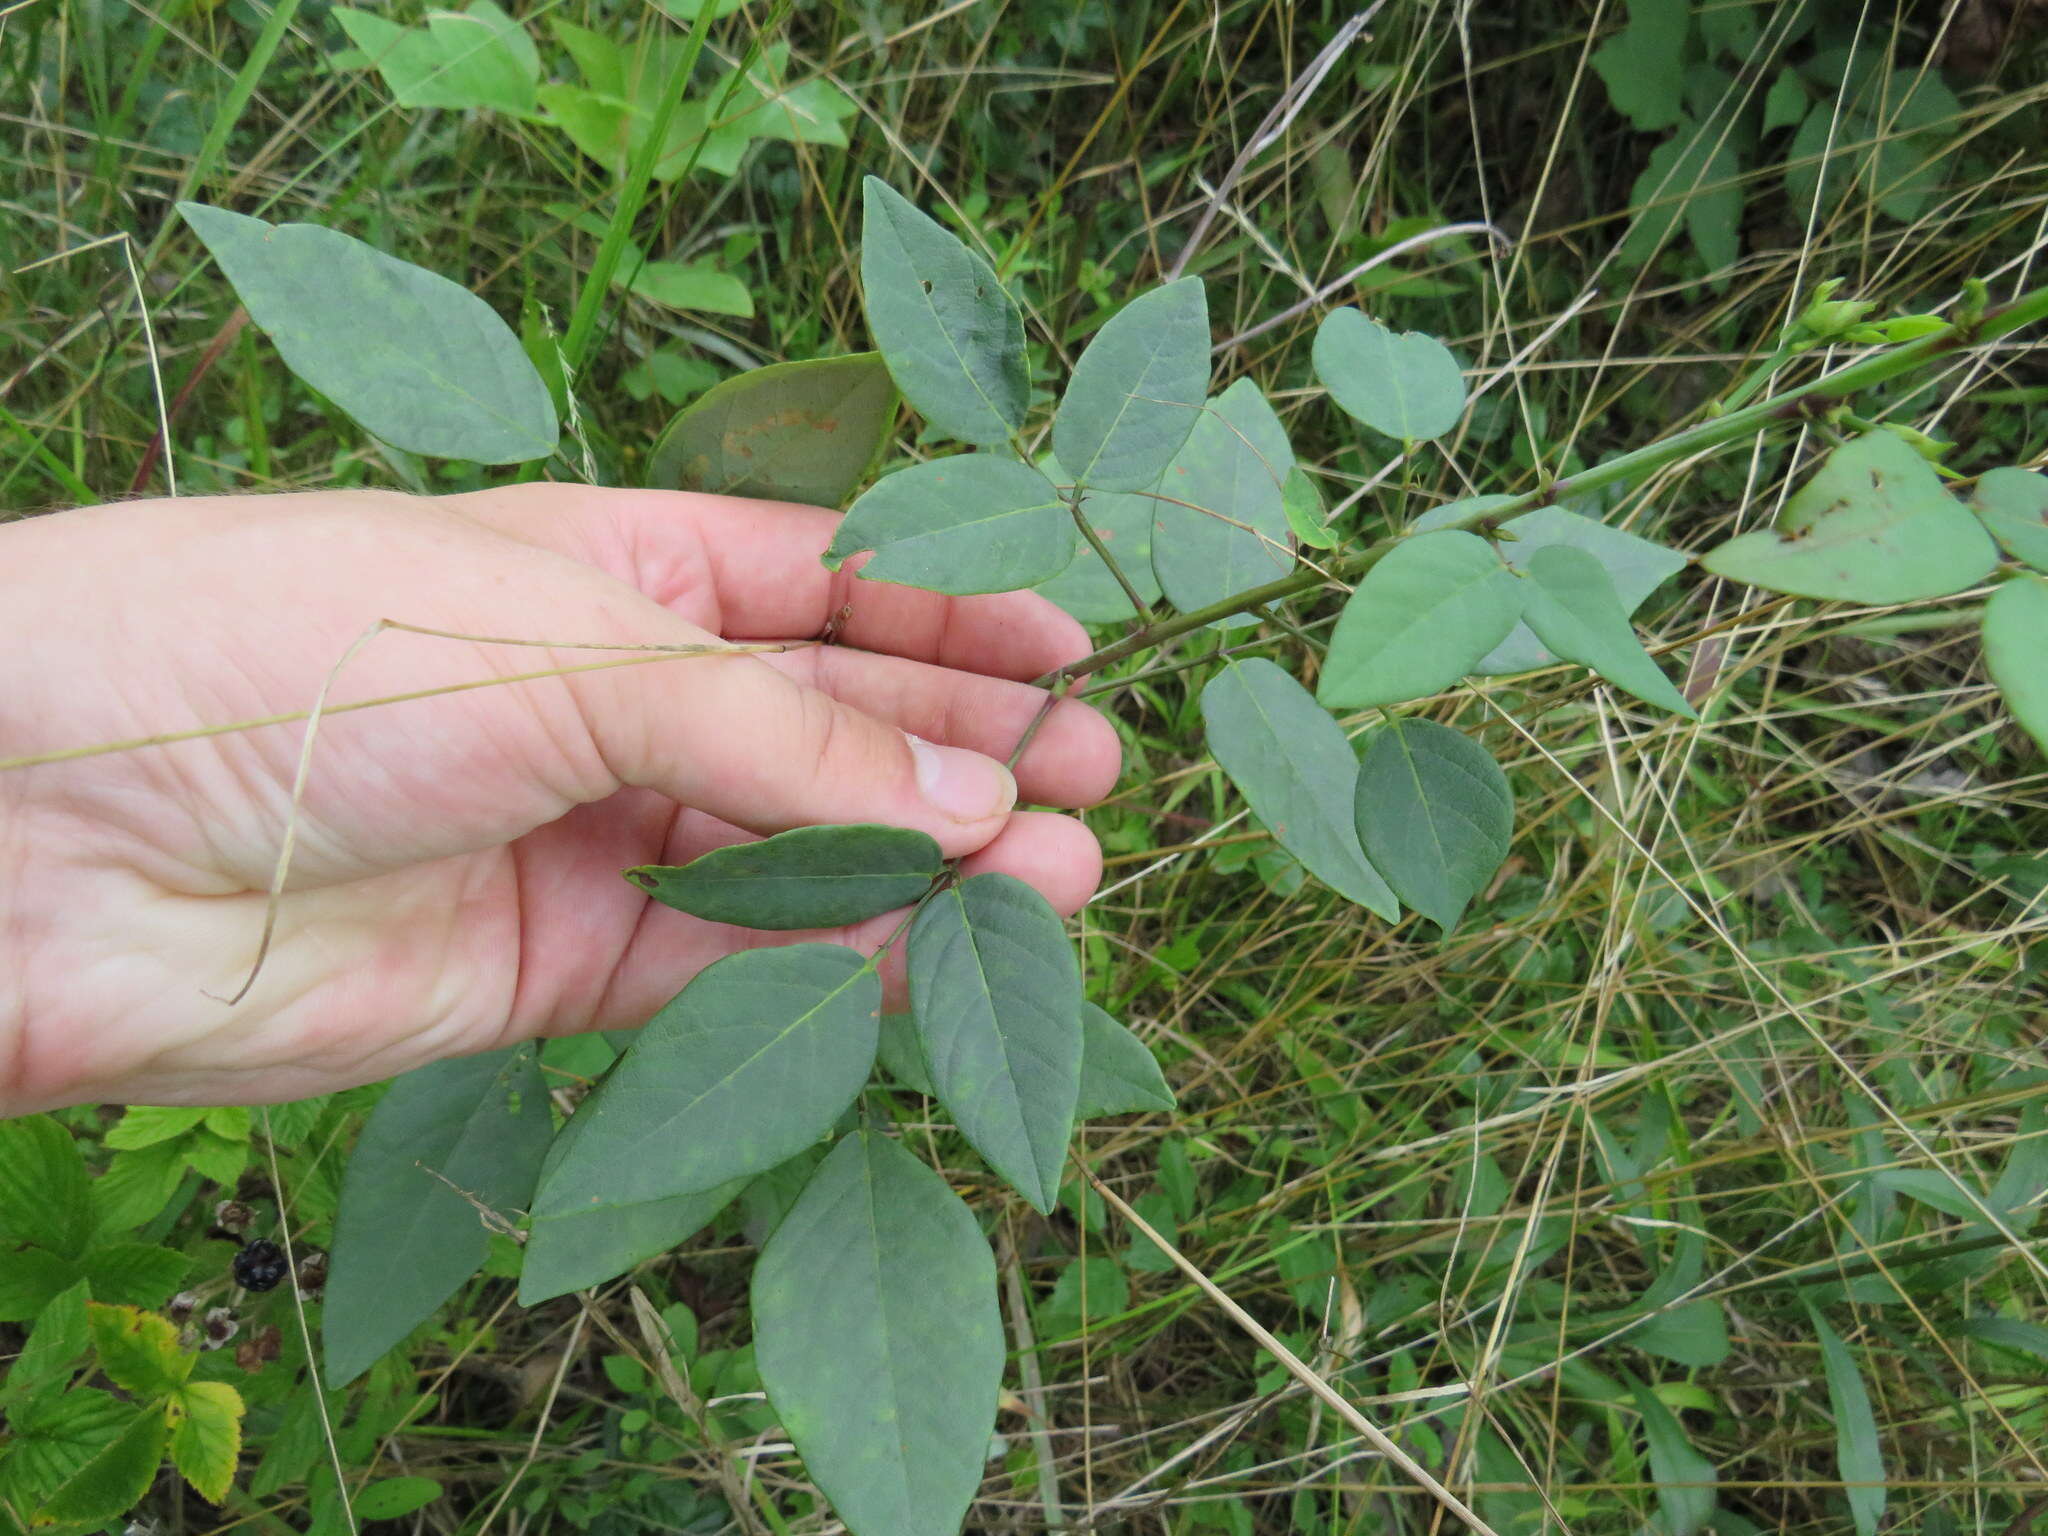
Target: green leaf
(1137, 391)
(475, 58)
(1858, 1457)
(1873, 525)
(404, 1240)
(1234, 465)
(1118, 1074)
(30, 1279)
(813, 877)
(580, 1249)
(138, 1350)
(117, 1476)
(1303, 504)
(746, 1066)
(996, 993)
(953, 339)
(1434, 814)
(45, 1197)
(1298, 771)
(206, 1437)
(2013, 504)
(144, 1125)
(689, 286)
(1693, 1334)
(2010, 1333)
(903, 1058)
(878, 1339)
(53, 1349)
(1693, 176)
(54, 1435)
(1785, 102)
(1404, 384)
(1086, 589)
(1683, 1508)
(975, 522)
(417, 360)
(134, 1274)
(1091, 1288)
(2015, 645)
(390, 1498)
(1420, 620)
(1643, 65)
(806, 432)
(1574, 609)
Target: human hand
(455, 884)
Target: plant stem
(1139, 607)
(1715, 432)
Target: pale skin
(456, 881)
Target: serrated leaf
(580, 1249)
(1873, 525)
(2013, 504)
(885, 1376)
(995, 990)
(748, 1065)
(1234, 465)
(1137, 390)
(1086, 589)
(1435, 816)
(417, 360)
(134, 1274)
(404, 1239)
(806, 432)
(1858, 1457)
(2015, 645)
(55, 1434)
(953, 339)
(1297, 770)
(1683, 1506)
(975, 522)
(390, 1498)
(1119, 1075)
(144, 1125)
(138, 1350)
(1420, 619)
(52, 1351)
(30, 1279)
(45, 1197)
(1574, 609)
(1404, 384)
(116, 1476)
(813, 877)
(206, 1437)
(1643, 65)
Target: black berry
(260, 1266)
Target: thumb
(741, 740)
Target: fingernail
(965, 785)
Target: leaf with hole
(813, 877)
(407, 1233)
(1873, 525)
(995, 990)
(808, 432)
(953, 339)
(2013, 504)
(1219, 515)
(1119, 1076)
(1419, 620)
(1297, 770)
(205, 1419)
(1574, 609)
(748, 1065)
(416, 360)
(1404, 384)
(1859, 1460)
(1435, 816)
(1137, 390)
(878, 1340)
(975, 522)
(2015, 649)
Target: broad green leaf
(1693, 1334)
(813, 877)
(1694, 176)
(2016, 651)
(30, 1279)
(580, 1249)
(902, 1057)
(1785, 102)
(52, 1435)
(1404, 384)
(45, 1197)
(1434, 814)
(1683, 1506)
(807, 432)
(1086, 589)
(1643, 65)
(53, 1348)
(975, 522)
(1298, 771)
(996, 993)
(1219, 520)
(2013, 504)
(1883, 133)
(745, 1067)
(1858, 1456)
(206, 1437)
(138, 1350)
(1137, 390)
(134, 1274)
(1574, 609)
(1420, 620)
(953, 339)
(476, 58)
(1303, 504)
(1118, 1074)
(689, 286)
(405, 1239)
(418, 361)
(392, 1498)
(1873, 525)
(144, 1125)
(1090, 1288)
(116, 1476)
(878, 1339)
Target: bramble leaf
(206, 1436)
(812, 877)
(975, 522)
(138, 1350)
(806, 432)
(1137, 390)
(1421, 619)
(1435, 816)
(115, 1477)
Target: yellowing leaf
(205, 1419)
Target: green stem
(1139, 607)
(1715, 432)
